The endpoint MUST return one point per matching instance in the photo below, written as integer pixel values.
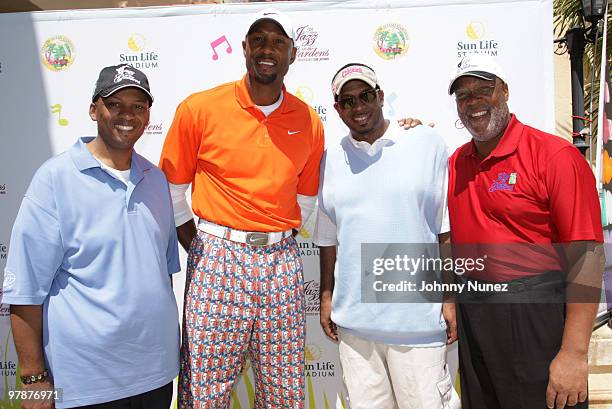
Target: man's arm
(186, 232)
(26, 324)
(568, 375)
(327, 257)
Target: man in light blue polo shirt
(88, 274)
(379, 186)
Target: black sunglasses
(367, 97)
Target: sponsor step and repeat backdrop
(49, 62)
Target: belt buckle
(257, 238)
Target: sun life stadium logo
(8, 369)
(3, 251)
(137, 56)
(58, 53)
(3, 189)
(315, 366)
(391, 41)
(306, 41)
(306, 95)
(476, 42)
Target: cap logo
(123, 73)
(351, 70)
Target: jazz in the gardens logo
(137, 54)
(154, 129)
(58, 53)
(3, 189)
(476, 41)
(312, 290)
(5, 309)
(306, 95)
(307, 41)
(3, 251)
(316, 365)
(391, 41)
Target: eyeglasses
(366, 97)
(464, 94)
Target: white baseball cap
(279, 18)
(353, 71)
(477, 65)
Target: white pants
(383, 376)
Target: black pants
(505, 351)
(159, 398)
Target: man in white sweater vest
(379, 186)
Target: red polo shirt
(534, 190)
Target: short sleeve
(325, 230)
(574, 202)
(180, 151)
(443, 174)
(308, 183)
(172, 253)
(35, 250)
(443, 213)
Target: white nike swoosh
(292, 132)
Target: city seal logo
(391, 41)
(58, 53)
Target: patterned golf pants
(239, 300)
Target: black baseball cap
(118, 77)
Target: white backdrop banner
(49, 62)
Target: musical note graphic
(57, 109)
(389, 102)
(217, 43)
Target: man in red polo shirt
(526, 199)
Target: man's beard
(264, 79)
(497, 124)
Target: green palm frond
(567, 15)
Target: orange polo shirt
(246, 169)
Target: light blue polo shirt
(98, 255)
(397, 195)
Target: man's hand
(567, 381)
(327, 324)
(450, 316)
(48, 403)
(408, 123)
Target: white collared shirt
(387, 138)
(325, 229)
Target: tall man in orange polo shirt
(251, 152)
(529, 200)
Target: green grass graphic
(6, 402)
(311, 397)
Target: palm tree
(567, 15)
